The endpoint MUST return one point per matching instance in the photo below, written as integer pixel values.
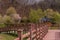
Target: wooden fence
(36, 32)
(12, 27)
(32, 31)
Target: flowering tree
(13, 14)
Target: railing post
(30, 31)
(20, 32)
(39, 30)
(36, 30)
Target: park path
(52, 35)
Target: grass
(54, 28)
(2, 25)
(7, 37)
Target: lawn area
(7, 37)
(54, 28)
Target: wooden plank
(26, 35)
(33, 35)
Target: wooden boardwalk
(52, 35)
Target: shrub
(24, 19)
(13, 14)
(7, 19)
(1, 20)
(2, 25)
(36, 15)
(10, 11)
(53, 15)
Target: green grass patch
(7, 37)
(54, 28)
(2, 25)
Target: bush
(10, 11)
(24, 20)
(1, 19)
(2, 25)
(53, 15)
(36, 15)
(13, 14)
(7, 19)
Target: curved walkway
(52, 35)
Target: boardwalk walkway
(52, 35)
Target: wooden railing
(32, 31)
(12, 27)
(36, 32)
